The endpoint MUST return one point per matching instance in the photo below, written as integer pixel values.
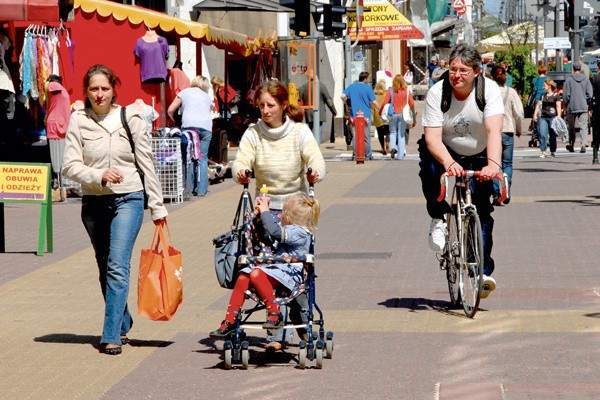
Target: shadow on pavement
(420, 303)
(71, 338)
(590, 201)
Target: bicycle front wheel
(471, 269)
(452, 256)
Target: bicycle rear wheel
(452, 256)
(471, 269)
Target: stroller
(313, 345)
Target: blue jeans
(368, 151)
(508, 147)
(397, 135)
(430, 172)
(545, 131)
(543, 127)
(112, 223)
(200, 185)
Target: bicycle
(462, 257)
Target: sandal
(224, 330)
(124, 340)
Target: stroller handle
(247, 172)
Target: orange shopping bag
(160, 288)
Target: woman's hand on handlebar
(312, 175)
(242, 177)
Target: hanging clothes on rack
(66, 50)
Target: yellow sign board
(23, 182)
(27, 183)
(382, 22)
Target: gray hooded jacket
(577, 93)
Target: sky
(492, 6)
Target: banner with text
(382, 21)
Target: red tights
(263, 284)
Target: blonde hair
(398, 83)
(380, 87)
(301, 210)
(201, 82)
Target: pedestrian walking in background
(398, 96)
(461, 138)
(381, 121)
(577, 96)
(278, 149)
(547, 108)
(511, 126)
(409, 74)
(596, 110)
(433, 64)
(225, 97)
(361, 97)
(100, 155)
(57, 120)
(196, 114)
(509, 78)
(439, 71)
(585, 69)
(324, 99)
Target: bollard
(360, 123)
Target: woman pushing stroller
(278, 149)
(299, 218)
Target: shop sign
(23, 182)
(557, 43)
(28, 183)
(459, 7)
(382, 21)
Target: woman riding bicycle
(467, 134)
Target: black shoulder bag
(137, 166)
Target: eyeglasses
(462, 72)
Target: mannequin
(57, 121)
(151, 50)
(145, 111)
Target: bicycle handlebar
(502, 178)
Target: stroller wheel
(319, 358)
(302, 355)
(329, 345)
(228, 354)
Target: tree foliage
(522, 69)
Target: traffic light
(300, 24)
(569, 15)
(337, 13)
(331, 16)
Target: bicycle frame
(463, 254)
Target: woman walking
(398, 96)
(100, 155)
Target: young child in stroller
(299, 219)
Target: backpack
(447, 92)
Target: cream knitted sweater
(279, 158)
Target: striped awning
(234, 42)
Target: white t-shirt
(463, 130)
(196, 108)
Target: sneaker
(437, 234)
(570, 148)
(489, 284)
(274, 323)
(224, 330)
(543, 155)
(582, 149)
(393, 153)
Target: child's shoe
(224, 330)
(274, 321)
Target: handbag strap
(130, 137)
(238, 213)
